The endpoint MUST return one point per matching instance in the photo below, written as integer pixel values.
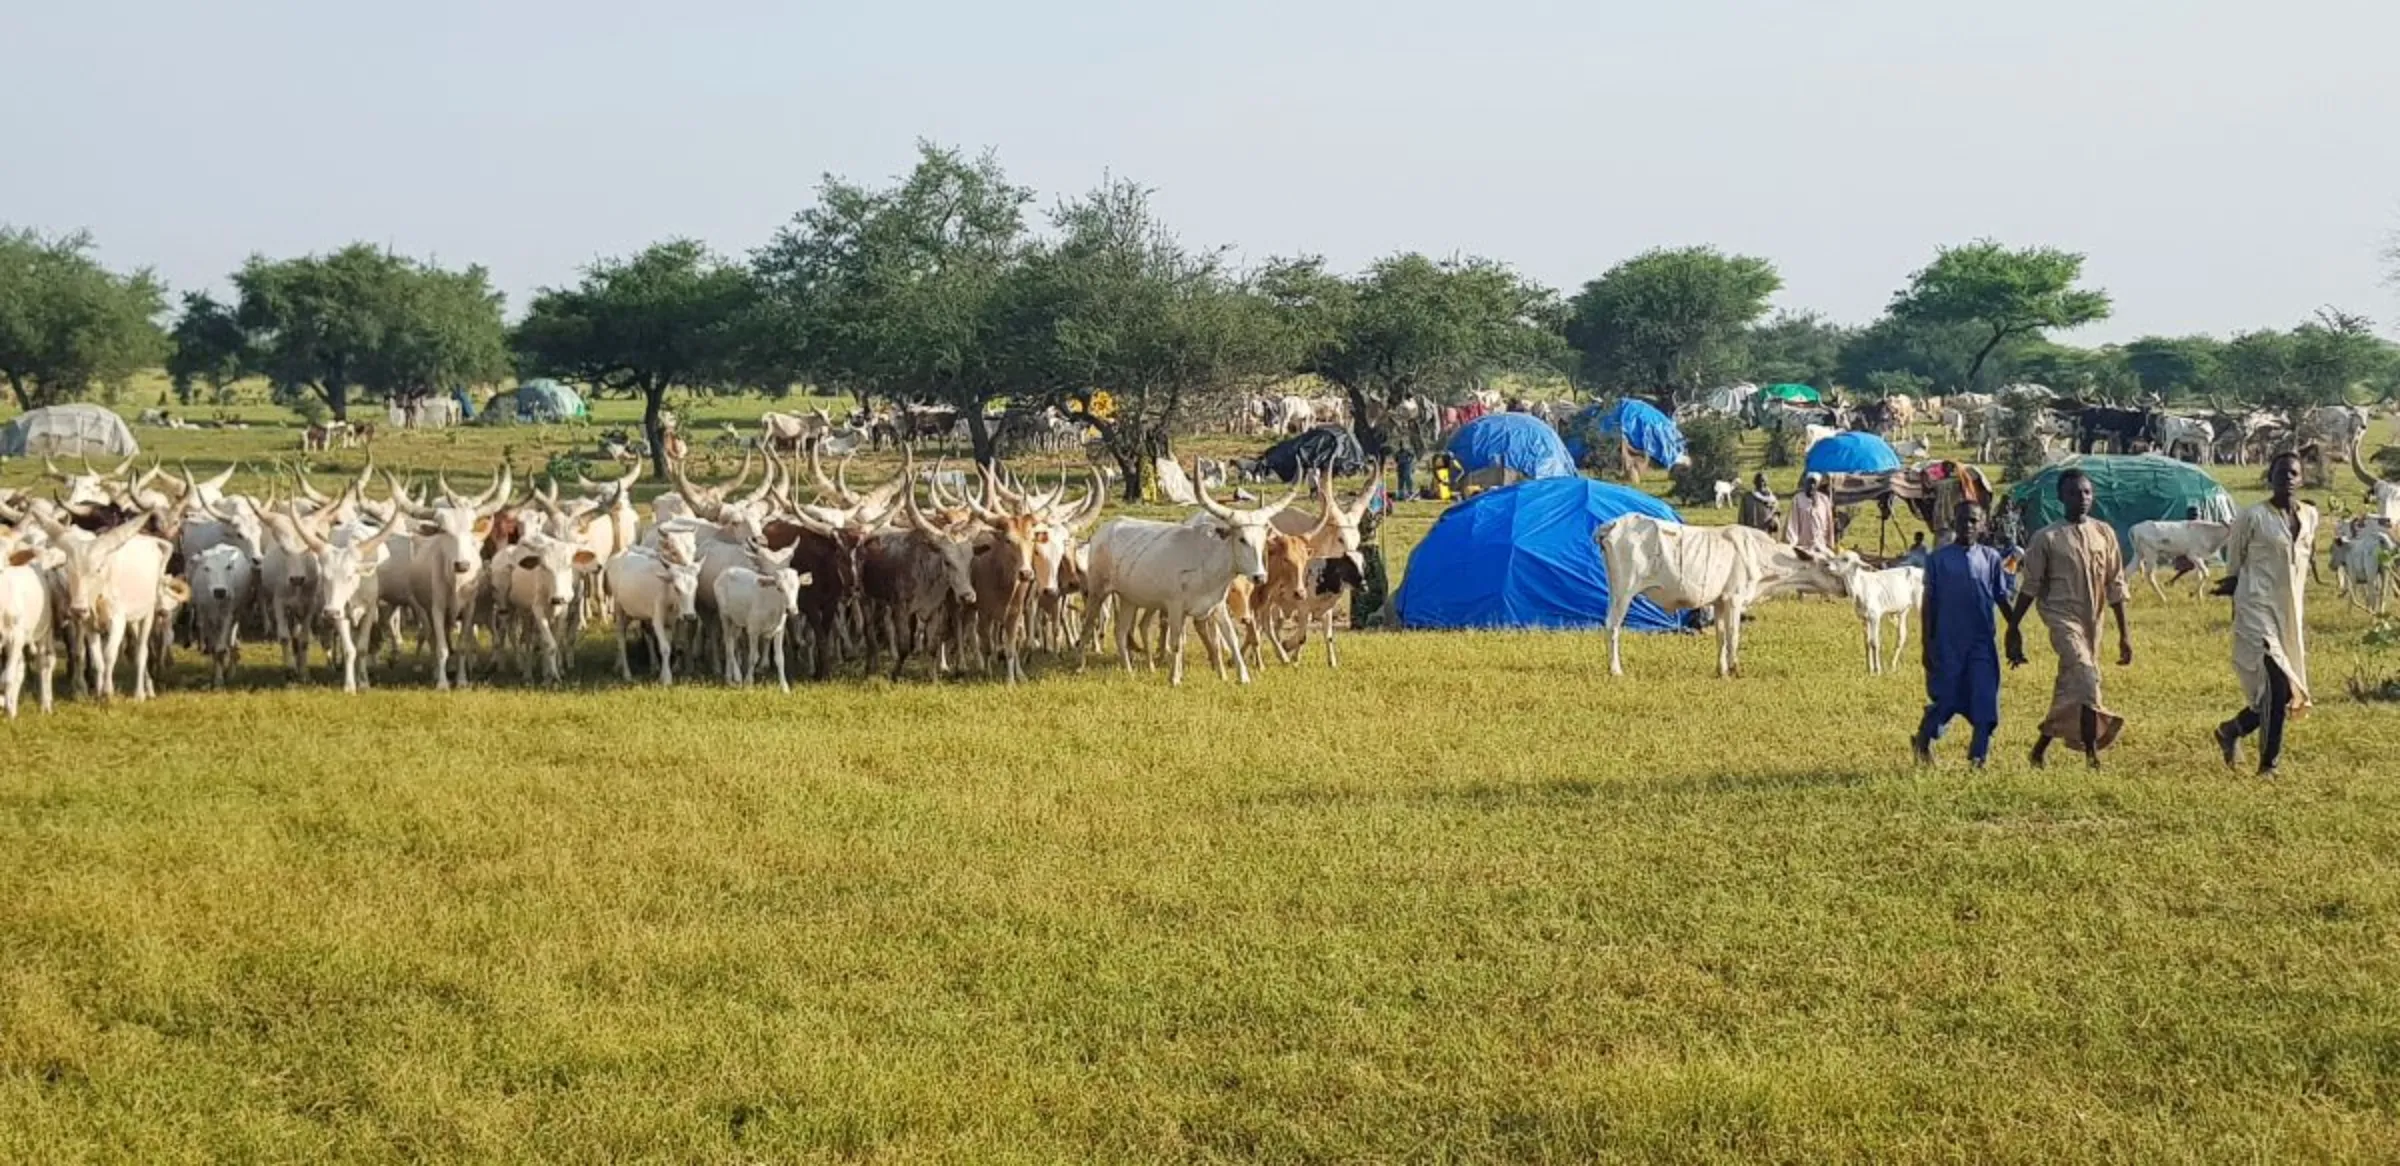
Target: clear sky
(2226, 164)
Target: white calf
(25, 624)
(658, 590)
(1893, 592)
(751, 611)
(223, 580)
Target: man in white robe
(2267, 557)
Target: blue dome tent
(1520, 442)
(1852, 453)
(1523, 557)
(1652, 434)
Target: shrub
(1714, 445)
(1782, 446)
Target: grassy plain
(1466, 899)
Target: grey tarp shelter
(77, 430)
(539, 402)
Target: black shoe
(2229, 743)
(1923, 750)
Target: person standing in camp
(1368, 599)
(1966, 593)
(1759, 506)
(2072, 569)
(2266, 561)
(1812, 515)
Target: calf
(1892, 592)
(651, 588)
(752, 609)
(2362, 562)
(349, 569)
(1326, 590)
(1722, 568)
(1250, 606)
(535, 583)
(1724, 492)
(2161, 542)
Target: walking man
(1966, 592)
(2072, 569)
(2267, 557)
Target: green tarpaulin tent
(2126, 490)
(1801, 393)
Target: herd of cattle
(735, 580)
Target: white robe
(2272, 570)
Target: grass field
(1466, 899)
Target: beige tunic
(2074, 571)
(2271, 566)
(1812, 521)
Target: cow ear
(982, 549)
(586, 560)
(22, 556)
(483, 526)
(428, 529)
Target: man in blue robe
(1966, 595)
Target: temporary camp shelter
(1523, 557)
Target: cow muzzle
(219, 593)
(1258, 578)
(461, 567)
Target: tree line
(947, 287)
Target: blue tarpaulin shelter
(1852, 453)
(1652, 434)
(1522, 557)
(1520, 441)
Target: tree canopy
(209, 346)
(1411, 326)
(67, 323)
(1669, 321)
(1796, 348)
(672, 316)
(364, 319)
(895, 292)
(2002, 293)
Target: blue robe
(1965, 589)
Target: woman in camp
(2266, 573)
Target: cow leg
(1173, 628)
(112, 649)
(12, 676)
(1729, 641)
(1900, 648)
(1241, 667)
(439, 624)
(2150, 572)
(1874, 644)
(731, 667)
(624, 663)
(1333, 658)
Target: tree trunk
(979, 435)
(336, 396)
(1975, 369)
(1134, 466)
(1373, 437)
(654, 403)
(16, 385)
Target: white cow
(436, 570)
(349, 569)
(25, 620)
(1810, 436)
(660, 589)
(2383, 494)
(1295, 414)
(1725, 492)
(1892, 592)
(1723, 568)
(2176, 432)
(223, 581)
(1181, 572)
(752, 609)
(2160, 543)
(113, 582)
(2362, 570)
(535, 584)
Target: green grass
(1467, 899)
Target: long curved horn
(2358, 466)
(625, 484)
(51, 468)
(766, 482)
(841, 484)
(492, 500)
(741, 475)
(1210, 504)
(217, 484)
(400, 499)
(1358, 509)
(122, 466)
(824, 486)
(441, 485)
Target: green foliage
(364, 319)
(1411, 326)
(669, 317)
(2020, 437)
(68, 324)
(1783, 447)
(897, 293)
(1119, 303)
(2175, 368)
(1714, 445)
(2000, 292)
(210, 347)
(2086, 374)
(1942, 355)
(1796, 348)
(1892, 382)
(2321, 362)
(1669, 321)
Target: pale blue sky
(2225, 163)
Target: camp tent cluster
(76, 430)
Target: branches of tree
(674, 315)
(364, 319)
(1412, 326)
(2002, 293)
(1670, 322)
(67, 324)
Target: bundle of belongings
(1933, 491)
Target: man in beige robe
(2071, 569)
(2267, 558)
(1811, 526)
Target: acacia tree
(67, 323)
(364, 319)
(893, 293)
(671, 316)
(1119, 303)
(1668, 321)
(209, 347)
(2173, 367)
(1800, 348)
(2003, 293)
(1941, 355)
(1411, 326)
